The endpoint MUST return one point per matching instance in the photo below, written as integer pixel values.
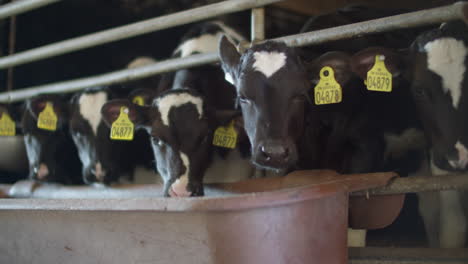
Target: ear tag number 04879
(7, 125)
(225, 136)
(328, 90)
(122, 128)
(378, 77)
(47, 119)
(138, 100)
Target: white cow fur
(90, 108)
(268, 62)
(444, 217)
(180, 185)
(462, 156)
(208, 42)
(446, 58)
(166, 103)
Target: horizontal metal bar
(111, 78)
(131, 30)
(420, 184)
(22, 6)
(455, 11)
(436, 15)
(389, 255)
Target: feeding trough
(300, 218)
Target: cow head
(440, 89)
(42, 145)
(179, 125)
(271, 86)
(96, 150)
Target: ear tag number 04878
(122, 128)
(47, 119)
(138, 100)
(225, 136)
(328, 90)
(378, 77)
(7, 125)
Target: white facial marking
(462, 157)
(268, 62)
(140, 62)
(90, 108)
(179, 187)
(208, 42)
(446, 58)
(166, 103)
(228, 78)
(203, 44)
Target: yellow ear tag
(7, 125)
(122, 128)
(328, 90)
(225, 136)
(47, 119)
(138, 100)
(378, 77)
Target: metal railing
(131, 30)
(22, 6)
(431, 16)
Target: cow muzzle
(275, 154)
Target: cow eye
(244, 100)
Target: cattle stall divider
(455, 11)
(424, 17)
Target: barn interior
(74, 18)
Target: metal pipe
(257, 26)
(112, 77)
(436, 15)
(11, 50)
(18, 7)
(131, 30)
(455, 11)
(389, 255)
(420, 184)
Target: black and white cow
(51, 154)
(181, 127)
(104, 160)
(272, 90)
(440, 89)
(182, 142)
(394, 113)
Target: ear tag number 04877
(7, 125)
(47, 119)
(122, 127)
(225, 136)
(328, 90)
(138, 100)
(378, 77)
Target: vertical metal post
(257, 28)
(11, 50)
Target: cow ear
(338, 61)
(223, 117)
(139, 115)
(364, 60)
(229, 59)
(37, 104)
